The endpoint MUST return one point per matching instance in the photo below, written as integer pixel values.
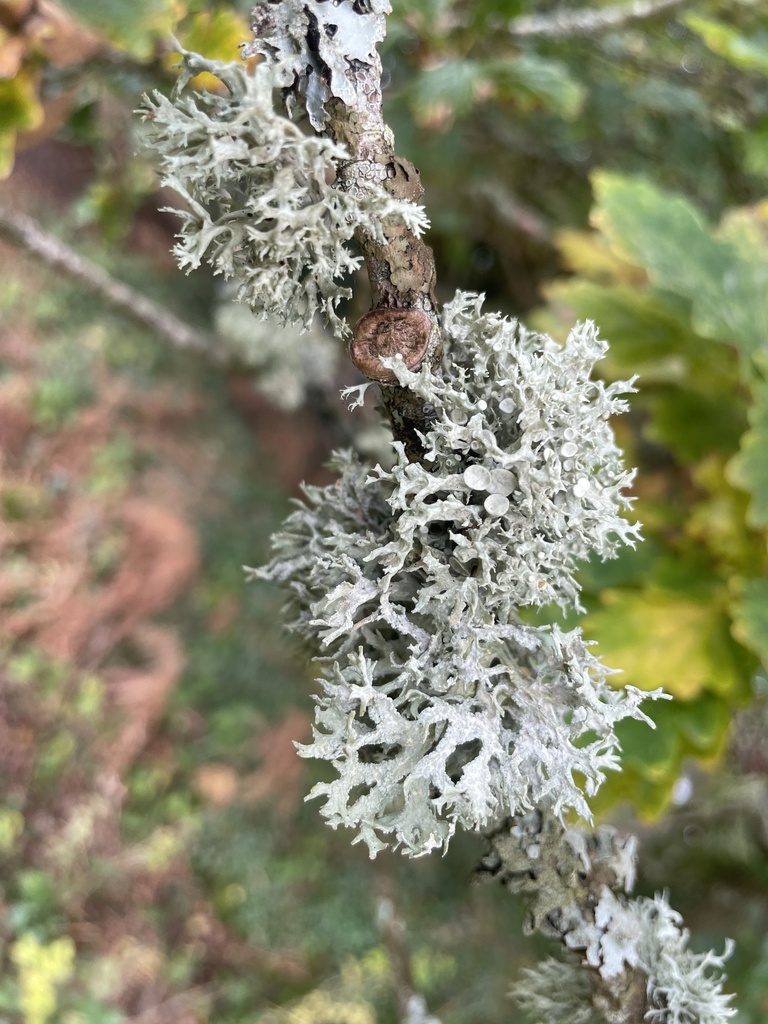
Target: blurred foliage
(685, 307)
(619, 176)
(507, 130)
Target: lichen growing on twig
(440, 705)
(259, 201)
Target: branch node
(386, 334)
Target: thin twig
(589, 22)
(181, 1001)
(29, 235)
(513, 213)
(411, 1005)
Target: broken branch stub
(386, 334)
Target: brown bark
(401, 271)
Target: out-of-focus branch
(31, 237)
(513, 213)
(411, 1005)
(25, 232)
(590, 22)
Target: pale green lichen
(258, 205)
(440, 706)
(647, 934)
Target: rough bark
(401, 272)
(562, 877)
(404, 317)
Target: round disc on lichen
(477, 478)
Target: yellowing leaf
(746, 54)
(666, 639)
(140, 27)
(748, 470)
(648, 798)
(588, 253)
(651, 763)
(750, 616)
(215, 34)
(20, 110)
(667, 236)
(718, 521)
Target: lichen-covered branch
(626, 960)
(258, 205)
(326, 58)
(441, 707)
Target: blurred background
(157, 862)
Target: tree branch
(30, 236)
(564, 877)
(338, 80)
(588, 22)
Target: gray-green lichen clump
(260, 204)
(682, 987)
(440, 706)
(576, 888)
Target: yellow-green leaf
(667, 236)
(744, 53)
(749, 469)
(215, 34)
(20, 110)
(138, 27)
(658, 638)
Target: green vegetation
(154, 847)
